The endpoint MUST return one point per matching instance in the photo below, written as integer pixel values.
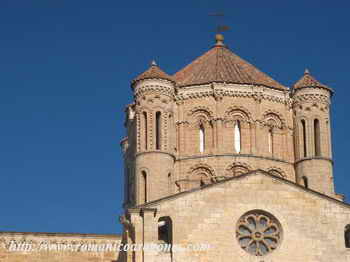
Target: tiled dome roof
(219, 64)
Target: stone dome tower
(149, 147)
(313, 147)
(220, 117)
(232, 119)
(221, 141)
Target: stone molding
(154, 89)
(258, 93)
(232, 155)
(320, 98)
(314, 158)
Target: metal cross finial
(220, 27)
(219, 38)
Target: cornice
(258, 93)
(234, 156)
(154, 89)
(314, 158)
(302, 98)
(155, 152)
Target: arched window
(158, 130)
(317, 137)
(270, 140)
(305, 181)
(201, 175)
(237, 136)
(304, 140)
(347, 236)
(169, 184)
(144, 186)
(145, 138)
(165, 230)
(201, 138)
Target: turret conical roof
(153, 72)
(307, 80)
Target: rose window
(258, 233)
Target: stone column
(137, 227)
(253, 148)
(245, 138)
(150, 233)
(219, 135)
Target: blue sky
(65, 72)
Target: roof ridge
(250, 173)
(217, 61)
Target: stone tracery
(258, 233)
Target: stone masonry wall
(56, 247)
(312, 225)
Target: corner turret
(313, 145)
(149, 163)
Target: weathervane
(219, 28)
